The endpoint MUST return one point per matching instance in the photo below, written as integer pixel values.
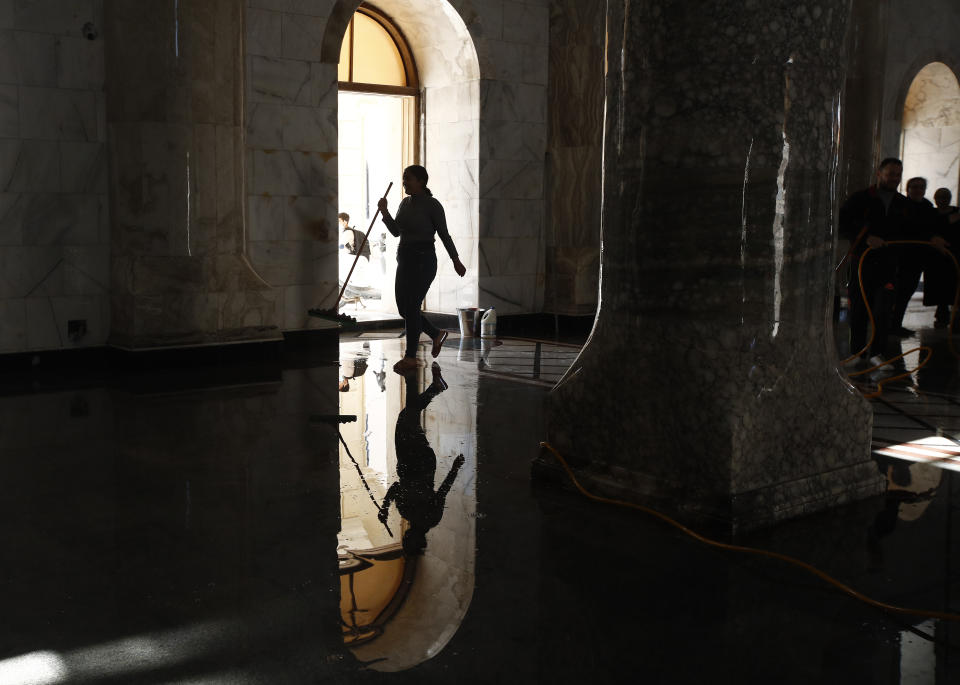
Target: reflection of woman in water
(416, 468)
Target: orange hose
(873, 323)
(846, 589)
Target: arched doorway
(447, 122)
(378, 107)
(931, 128)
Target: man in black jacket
(870, 218)
(922, 220)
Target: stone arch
(443, 37)
(930, 127)
(910, 73)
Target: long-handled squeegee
(333, 314)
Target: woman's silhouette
(416, 468)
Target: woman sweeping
(418, 217)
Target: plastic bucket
(469, 319)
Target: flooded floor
(320, 518)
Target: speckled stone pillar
(175, 122)
(709, 384)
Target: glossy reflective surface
(156, 530)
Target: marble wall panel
(509, 61)
(166, 316)
(53, 114)
(297, 299)
(86, 270)
(26, 271)
(8, 58)
(43, 333)
(263, 32)
(511, 179)
(534, 64)
(9, 156)
(310, 129)
(250, 309)
(10, 231)
(526, 23)
(35, 58)
(79, 63)
(510, 294)
(510, 218)
(47, 321)
(9, 111)
(453, 142)
(510, 140)
(53, 16)
(265, 217)
(61, 218)
(37, 168)
(83, 167)
(278, 80)
(229, 187)
(283, 263)
(310, 8)
(204, 165)
(520, 256)
(13, 332)
(489, 24)
(302, 37)
(265, 126)
(307, 218)
(505, 101)
(489, 255)
(6, 14)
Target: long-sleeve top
(866, 208)
(417, 219)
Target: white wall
(931, 129)
(54, 230)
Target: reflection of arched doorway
(931, 128)
(377, 115)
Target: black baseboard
(166, 369)
(557, 327)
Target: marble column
(709, 384)
(175, 124)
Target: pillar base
(724, 515)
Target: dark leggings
(879, 277)
(416, 269)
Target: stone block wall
(291, 147)
(54, 230)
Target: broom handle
(360, 249)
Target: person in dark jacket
(922, 224)
(939, 276)
(416, 500)
(868, 219)
(419, 217)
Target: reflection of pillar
(709, 380)
(174, 109)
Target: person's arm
(388, 220)
(385, 507)
(439, 219)
(448, 481)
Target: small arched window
(375, 57)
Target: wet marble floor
(320, 518)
